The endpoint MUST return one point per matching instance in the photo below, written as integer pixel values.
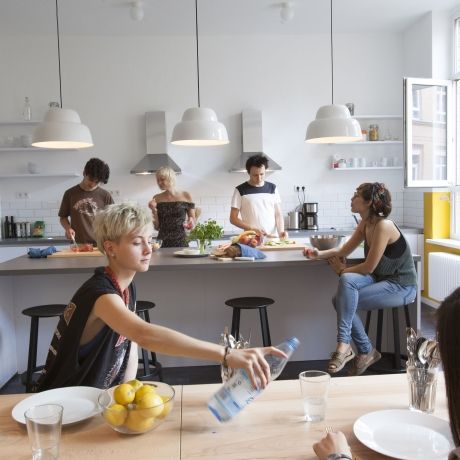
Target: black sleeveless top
(105, 365)
(171, 218)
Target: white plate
(79, 403)
(405, 434)
(183, 254)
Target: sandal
(362, 362)
(338, 360)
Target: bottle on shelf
(27, 111)
(238, 391)
(12, 228)
(6, 228)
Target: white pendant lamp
(199, 126)
(61, 128)
(333, 122)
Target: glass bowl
(150, 408)
(323, 242)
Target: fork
(328, 429)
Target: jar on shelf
(374, 132)
(364, 135)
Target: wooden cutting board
(282, 247)
(70, 253)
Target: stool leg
(397, 355)
(407, 315)
(145, 357)
(236, 323)
(368, 321)
(32, 359)
(379, 330)
(265, 329)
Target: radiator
(443, 274)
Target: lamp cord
(59, 52)
(197, 55)
(332, 60)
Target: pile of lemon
(136, 407)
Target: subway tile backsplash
(333, 210)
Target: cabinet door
(427, 132)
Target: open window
(428, 143)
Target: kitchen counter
(189, 294)
(33, 241)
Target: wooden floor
(211, 374)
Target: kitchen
(114, 70)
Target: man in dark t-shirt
(82, 201)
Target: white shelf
(375, 117)
(33, 149)
(372, 142)
(367, 167)
(19, 122)
(26, 175)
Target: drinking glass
(422, 388)
(314, 386)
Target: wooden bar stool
(250, 303)
(397, 356)
(35, 313)
(146, 372)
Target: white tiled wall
(333, 210)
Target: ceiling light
(61, 128)
(199, 126)
(333, 122)
(137, 10)
(287, 11)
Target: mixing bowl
(323, 242)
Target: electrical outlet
(299, 188)
(19, 195)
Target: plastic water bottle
(238, 391)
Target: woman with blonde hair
(173, 211)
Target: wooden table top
(272, 427)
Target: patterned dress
(171, 218)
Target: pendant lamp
(61, 128)
(199, 126)
(333, 122)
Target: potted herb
(203, 234)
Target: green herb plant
(204, 233)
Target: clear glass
(314, 387)
(422, 388)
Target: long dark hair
(448, 327)
(380, 197)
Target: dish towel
(37, 253)
(248, 251)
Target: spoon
(411, 341)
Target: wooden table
(270, 428)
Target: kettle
(295, 218)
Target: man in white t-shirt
(256, 204)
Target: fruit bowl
(323, 242)
(136, 407)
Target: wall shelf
(371, 142)
(28, 176)
(33, 149)
(367, 167)
(19, 122)
(375, 117)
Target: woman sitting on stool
(386, 278)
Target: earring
(113, 255)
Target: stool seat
(146, 372)
(251, 303)
(35, 313)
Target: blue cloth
(37, 253)
(362, 292)
(248, 251)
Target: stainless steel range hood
(251, 124)
(155, 139)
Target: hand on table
(252, 360)
(284, 235)
(311, 253)
(334, 442)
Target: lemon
(135, 422)
(167, 406)
(136, 384)
(116, 414)
(124, 394)
(143, 390)
(151, 405)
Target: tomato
(244, 239)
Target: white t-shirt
(257, 205)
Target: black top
(171, 218)
(105, 366)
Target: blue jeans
(362, 292)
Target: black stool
(146, 373)
(35, 313)
(250, 303)
(397, 356)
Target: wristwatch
(335, 456)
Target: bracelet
(226, 353)
(337, 456)
(341, 271)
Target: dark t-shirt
(105, 366)
(82, 206)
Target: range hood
(155, 140)
(251, 129)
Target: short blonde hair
(167, 173)
(117, 220)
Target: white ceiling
(231, 17)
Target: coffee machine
(309, 216)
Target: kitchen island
(189, 294)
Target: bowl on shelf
(138, 409)
(323, 242)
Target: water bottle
(238, 391)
